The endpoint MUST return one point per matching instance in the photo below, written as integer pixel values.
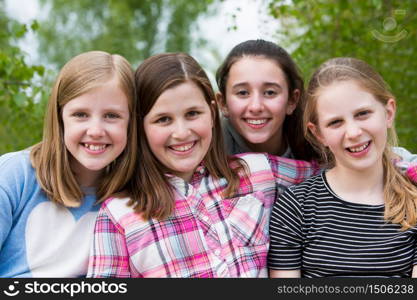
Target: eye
(242, 93)
(363, 114)
(270, 93)
(79, 114)
(163, 120)
(111, 115)
(193, 113)
(334, 123)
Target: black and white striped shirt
(312, 229)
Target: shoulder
(116, 207)
(296, 164)
(16, 167)
(119, 212)
(299, 197)
(255, 161)
(257, 175)
(405, 154)
(305, 189)
(14, 160)
(290, 171)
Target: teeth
(256, 122)
(183, 148)
(359, 149)
(95, 147)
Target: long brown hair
(153, 196)
(400, 194)
(293, 124)
(50, 157)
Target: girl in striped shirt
(358, 218)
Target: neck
(84, 176)
(359, 186)
(88, 180)
(277, 145)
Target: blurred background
(37, 37)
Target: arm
(13, 179)
(288, 172)
(405, 154)
(414, 274)
(286, 237)
(6, 218)
(285, 274)
(406, 163)
(109, 256)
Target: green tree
(21, 95)
(381, 32)
(134, 29)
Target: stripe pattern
(207, 236)
(312, 229)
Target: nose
(181, 130)
(256, 104)
(95, 128)
(353, 130)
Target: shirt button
(217, 252)
(205, 218)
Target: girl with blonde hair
(49, 193)
(358, 217)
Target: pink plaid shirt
(207, 235)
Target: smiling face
(178, 129)
(353, 124)
(257, 102)
(95, 130)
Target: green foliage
(134, 29)
(22, 97)
(381, 32)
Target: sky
(250, 21)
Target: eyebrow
(242, 84)
(337, 117)
(195, 107)
(116, 109)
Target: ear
(315, 131)
(391, 108)
(293, 101)
(221, 102)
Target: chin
(257, 140)
(95, 167)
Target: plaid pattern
(207, 236)
(408, 169)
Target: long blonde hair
(400, 194)
(50, 158)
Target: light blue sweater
(39, 238)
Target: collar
(235, 144)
